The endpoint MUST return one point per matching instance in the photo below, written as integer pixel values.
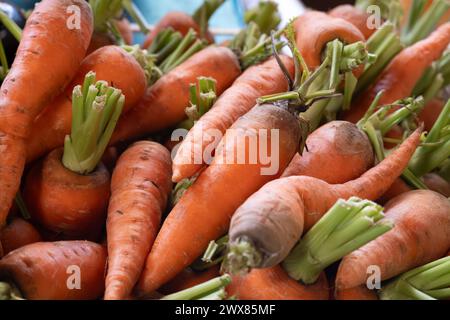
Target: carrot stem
(22, 206)
(204, 13)
(391, 10)
(430, 281)
(265, 15)
(9, 291)
(104, 11)
(135, 14)
(145, 59)
(347, 226)
(213, 255)
(4, 61)
(202, 290)
(203, 96)
(11, 26)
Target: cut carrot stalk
(210, 290)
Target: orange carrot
(334, 145)
(431, 112)
(43, 270)
(355, 16)
(275, 284)
(357, 293)
(111, 64)
(259, 80)
(48, 57)
(399, 79)
(140, 187)
(421, 234)
(159, 110)
(295, 204)
(17, 234)
(204, 212)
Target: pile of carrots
(302, 162)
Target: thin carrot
(65, 270)
(17, 234)
(398, 79)
(111, 64)
(47, 59)
(140, 188)
(421, 234)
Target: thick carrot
(259, 80)
(399, 79)
(204, 212)
(159, 110)
(189, 278)
(270, 222)
(355, 16)
(111, 64)
(421, 234)
(334, 145)
(275, 284)
(17, 234)
(357, 293)
(48, 57)
(140, 188)
(49, 270)
(315, 29)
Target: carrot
(140, 187)
(295, 204)
(436, 183)
(68, 191)
(43, 271)
(315, 29)
(213, 289)
(334, 145)
(355, 16)
(357, 293)
(17, 234)
(182, 22)
(398, 79)
(259, 80)
(111, 64)
(275, 284)
(421, 234)
(189, 278)
(48, 57)
(431, 112)
(158, 110)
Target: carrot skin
(41, 270)
(421, 234)
(355, 16)
(357, 293)
(111, 64)
(257, 81)
(204, 212)
(159, 109)
(17, 234)
(70, 204)
(48, 57)
(140, 188)
(275, 284)
(431, 113)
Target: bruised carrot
(111, 64)
(48, 57)
(158, 110)
(259, 80)
(49, 271)
(275, 284)
(295, 204)
(421, 234)
(399, 79)
(315, 29)
(189, 278)
(17, 234)
(334, 145)
(140, 188)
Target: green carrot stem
(336, 48)
(424, 25)
(145, 59)
(3, 61)
(136, 15)
(104, 11)
(9, 291)
(415, 11)
(349, 89)
(391, 10)
(347, 226)
(444, 170)
(436, 85)
(220, 294)
(11, 26)
(265, 15)
(204, 13)
(201, 290)
(213, 255)
(22, 206)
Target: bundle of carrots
(284, 163)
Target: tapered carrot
(421, 234)
(17, 234)
(275, 284)
(65, 270)
(259, 80)
(48, 57)
(140, 188)
(334, 145)
(111, 64)
(398, 79)
(295, 204)
(158, 110)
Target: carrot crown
(428, 282)
(214, 254)
(213, 289)
(265, 15)
(145, 60)
(204, 13)
(96, 108)
(347, 226)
